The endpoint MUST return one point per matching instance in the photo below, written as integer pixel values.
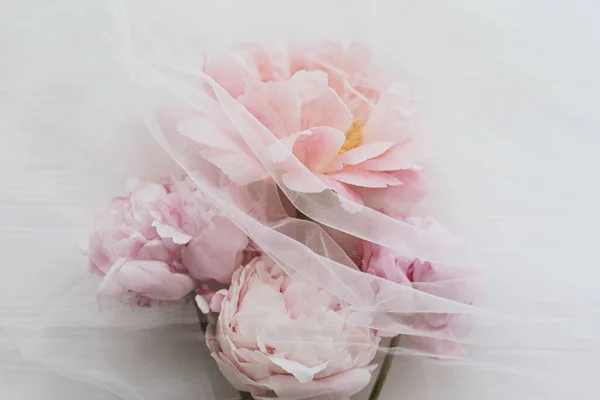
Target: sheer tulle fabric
(302, 248)
(79, 140)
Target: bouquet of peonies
(292, 223)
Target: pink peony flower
(335, 111)
(278, 336)
(171, 224)
(448, 282)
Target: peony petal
(310, 84)
(202, 304)
(217, 300)
(272, 61)
(241, 168)
(318, 147)
(153, 279)
(326, 110)
(167, 231)
(253, 363)
(302, 180)
(278, 105)
(282, 150)
(364, 178)
(393, 118)
(300, 371)
(397, 200)
(108, 286)
(342, 385)
(364, 152)
(156, 280)
(223, 151)
(216, 252)
(231, 71)
(248, 63)
(237, 379)
(155, 250)
(100, 258)
(403, 156)
(340, 188)
(144, 192)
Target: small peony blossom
(171, 224)
(284, 337)
(453, 283)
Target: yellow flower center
(353, 137)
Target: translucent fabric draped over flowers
(193, 114)
(71, 92)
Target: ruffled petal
(358, 177)
(300, 371)
(301, 180)
(238, 166)
(236, 378)
(168, 231)
(202, 304)
(326, 110)
(155, 250)
(315, 148)
(216, 252)
(364, 152)
(340, 188)
(152, 279)
(217, 300)
(400, 199)
(232, 72)
(341, 385)
(276, 106)
(318, 147)
(402, 156)
(282, 150)
(393, 118)
(279, 105)
(223, 151)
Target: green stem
(385, 369)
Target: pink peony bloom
(335, 111)
(283, 337)
(172, 224)
(448, 282)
